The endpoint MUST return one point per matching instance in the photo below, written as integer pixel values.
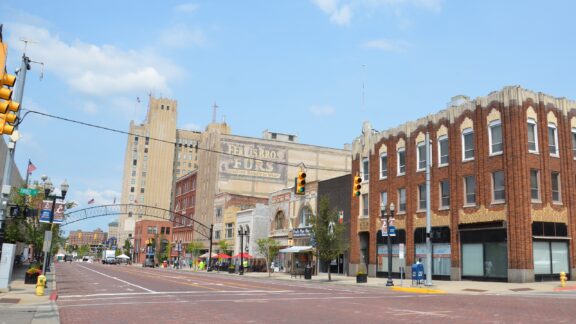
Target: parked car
(110, 260)
(68, 258)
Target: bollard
(40, 285)
(563, 279)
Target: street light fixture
(49, 193)
(386, 218)
(242, 233)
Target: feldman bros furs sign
(249, 161)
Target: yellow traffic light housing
(300, 188)
(356, 186)
(6, 104)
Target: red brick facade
(184, 204)
(150, 229)
(517, 212)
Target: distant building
(158, 233)
(113, 234)
(92, 239)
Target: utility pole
(428, 220)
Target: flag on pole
(114, 203)
(91, 201)
(138, 99)
(31, 167)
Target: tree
(224, 246)
(83, 250)
(194, 248)
(268, 247)
(127, 247)
(328, 233)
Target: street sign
(401, 249)
(392, 230)
(28, 192)
(47, 241)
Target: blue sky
(315, 68)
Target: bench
(297, 272)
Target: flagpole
(28, 172)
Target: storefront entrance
(484, 251)
(551, 250)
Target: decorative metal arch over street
(136, 211)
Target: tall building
(156, 153)
(92, 239)
(502, 189)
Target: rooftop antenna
(214, 108)
(26, 41)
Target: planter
(361, 278)
(31, 279)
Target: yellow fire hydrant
(40, 285)
(563, 279)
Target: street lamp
(242, 233)
(49, 193)
(178, 248)
(386, 218)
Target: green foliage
(83, 250)
(224, 246)
(329, 244)
(117, 252)
(195, 248)
(127, 247)
(268, 247)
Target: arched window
(279, 220)
(305, 214)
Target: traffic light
(300, 188)
(356, 186)
(6, 104)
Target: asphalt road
(95, 293)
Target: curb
(419, 290)
(565, 288)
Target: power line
(196, 147)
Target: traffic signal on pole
(356, 186)
(301, 183)
(8, 108)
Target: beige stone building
(156, 153)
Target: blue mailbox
(418, 273)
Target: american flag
(138, 99)
(31, 167)
(91, 201)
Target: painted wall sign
(246, 161)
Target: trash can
(308, 273)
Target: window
(131, 189)
(401, 161)
(468, 144)
(421, 153)
(498, 187)
(141, 190)
(532, 136)
(383, 166)
(279, 221)
(134, 162)
(216, 235)
(443, 150)
(365, 170)
(470, 190)
(552, 140)
(365, 205)
(535, 185)
(162, 230)
(556, 187)
(574, 143)
(383, 198)
(152, 230)
(444, 194)
(229, 230)
(305, 217)
(402, 200)
(219, 212)
(422, 197)
(495, 137)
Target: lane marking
(124, 281)
(178, 292)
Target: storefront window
(484, 251)
(382, 251)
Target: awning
(296, 249)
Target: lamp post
(241, 233)
(49, 193)
(178, 248)
(386, 217)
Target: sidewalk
(438, 286)
(21, 305)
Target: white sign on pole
(401, 250)
(47, 241)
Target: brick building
(184, 204)
(160, 232)
(92, 239)
(502, 185)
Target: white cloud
(182, 37)
(339, 14)
(322, 110)
(341, 11)
(99, 71)
(186, 7)
(191, 127)
(387, 45)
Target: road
(95, 293)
